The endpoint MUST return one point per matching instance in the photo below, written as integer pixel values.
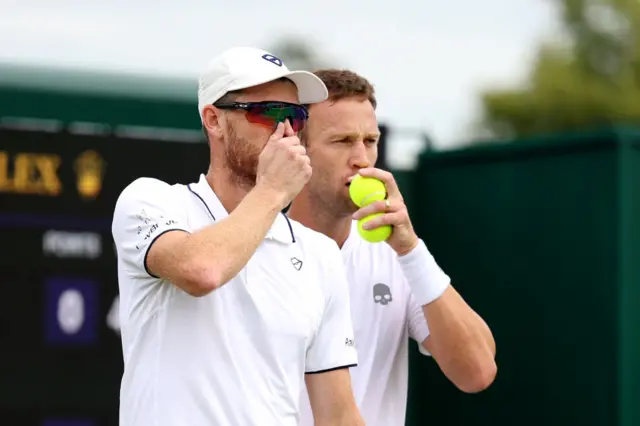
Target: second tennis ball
(376, 235)
(365, 190)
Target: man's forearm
(225, 247)
(461, 342)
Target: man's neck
(335, 227)
(228, 192)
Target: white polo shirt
(385, 315)
(237, 356)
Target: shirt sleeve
(333, 346)
(418, 327)
(145, 210)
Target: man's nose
(359, 157)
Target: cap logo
(272, 59)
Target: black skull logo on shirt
(382, 294)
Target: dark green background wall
(541, 237)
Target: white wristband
(426, 279)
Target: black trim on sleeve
(144, 262)
(331, 369)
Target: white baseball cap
(243, 67)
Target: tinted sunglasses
(270, 113)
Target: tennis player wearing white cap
(397, 289)
(225, 303)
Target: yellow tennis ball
(376, 235)
(365, 190)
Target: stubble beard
(242, 160)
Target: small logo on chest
(297, 263)
(382, 294)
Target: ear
(211, 120)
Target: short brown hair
(343, 84)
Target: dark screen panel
(60, 356)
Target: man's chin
(348, 207)
(341, 208)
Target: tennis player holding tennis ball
(397, 290)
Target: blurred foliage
(592, 80)
(297, 54)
